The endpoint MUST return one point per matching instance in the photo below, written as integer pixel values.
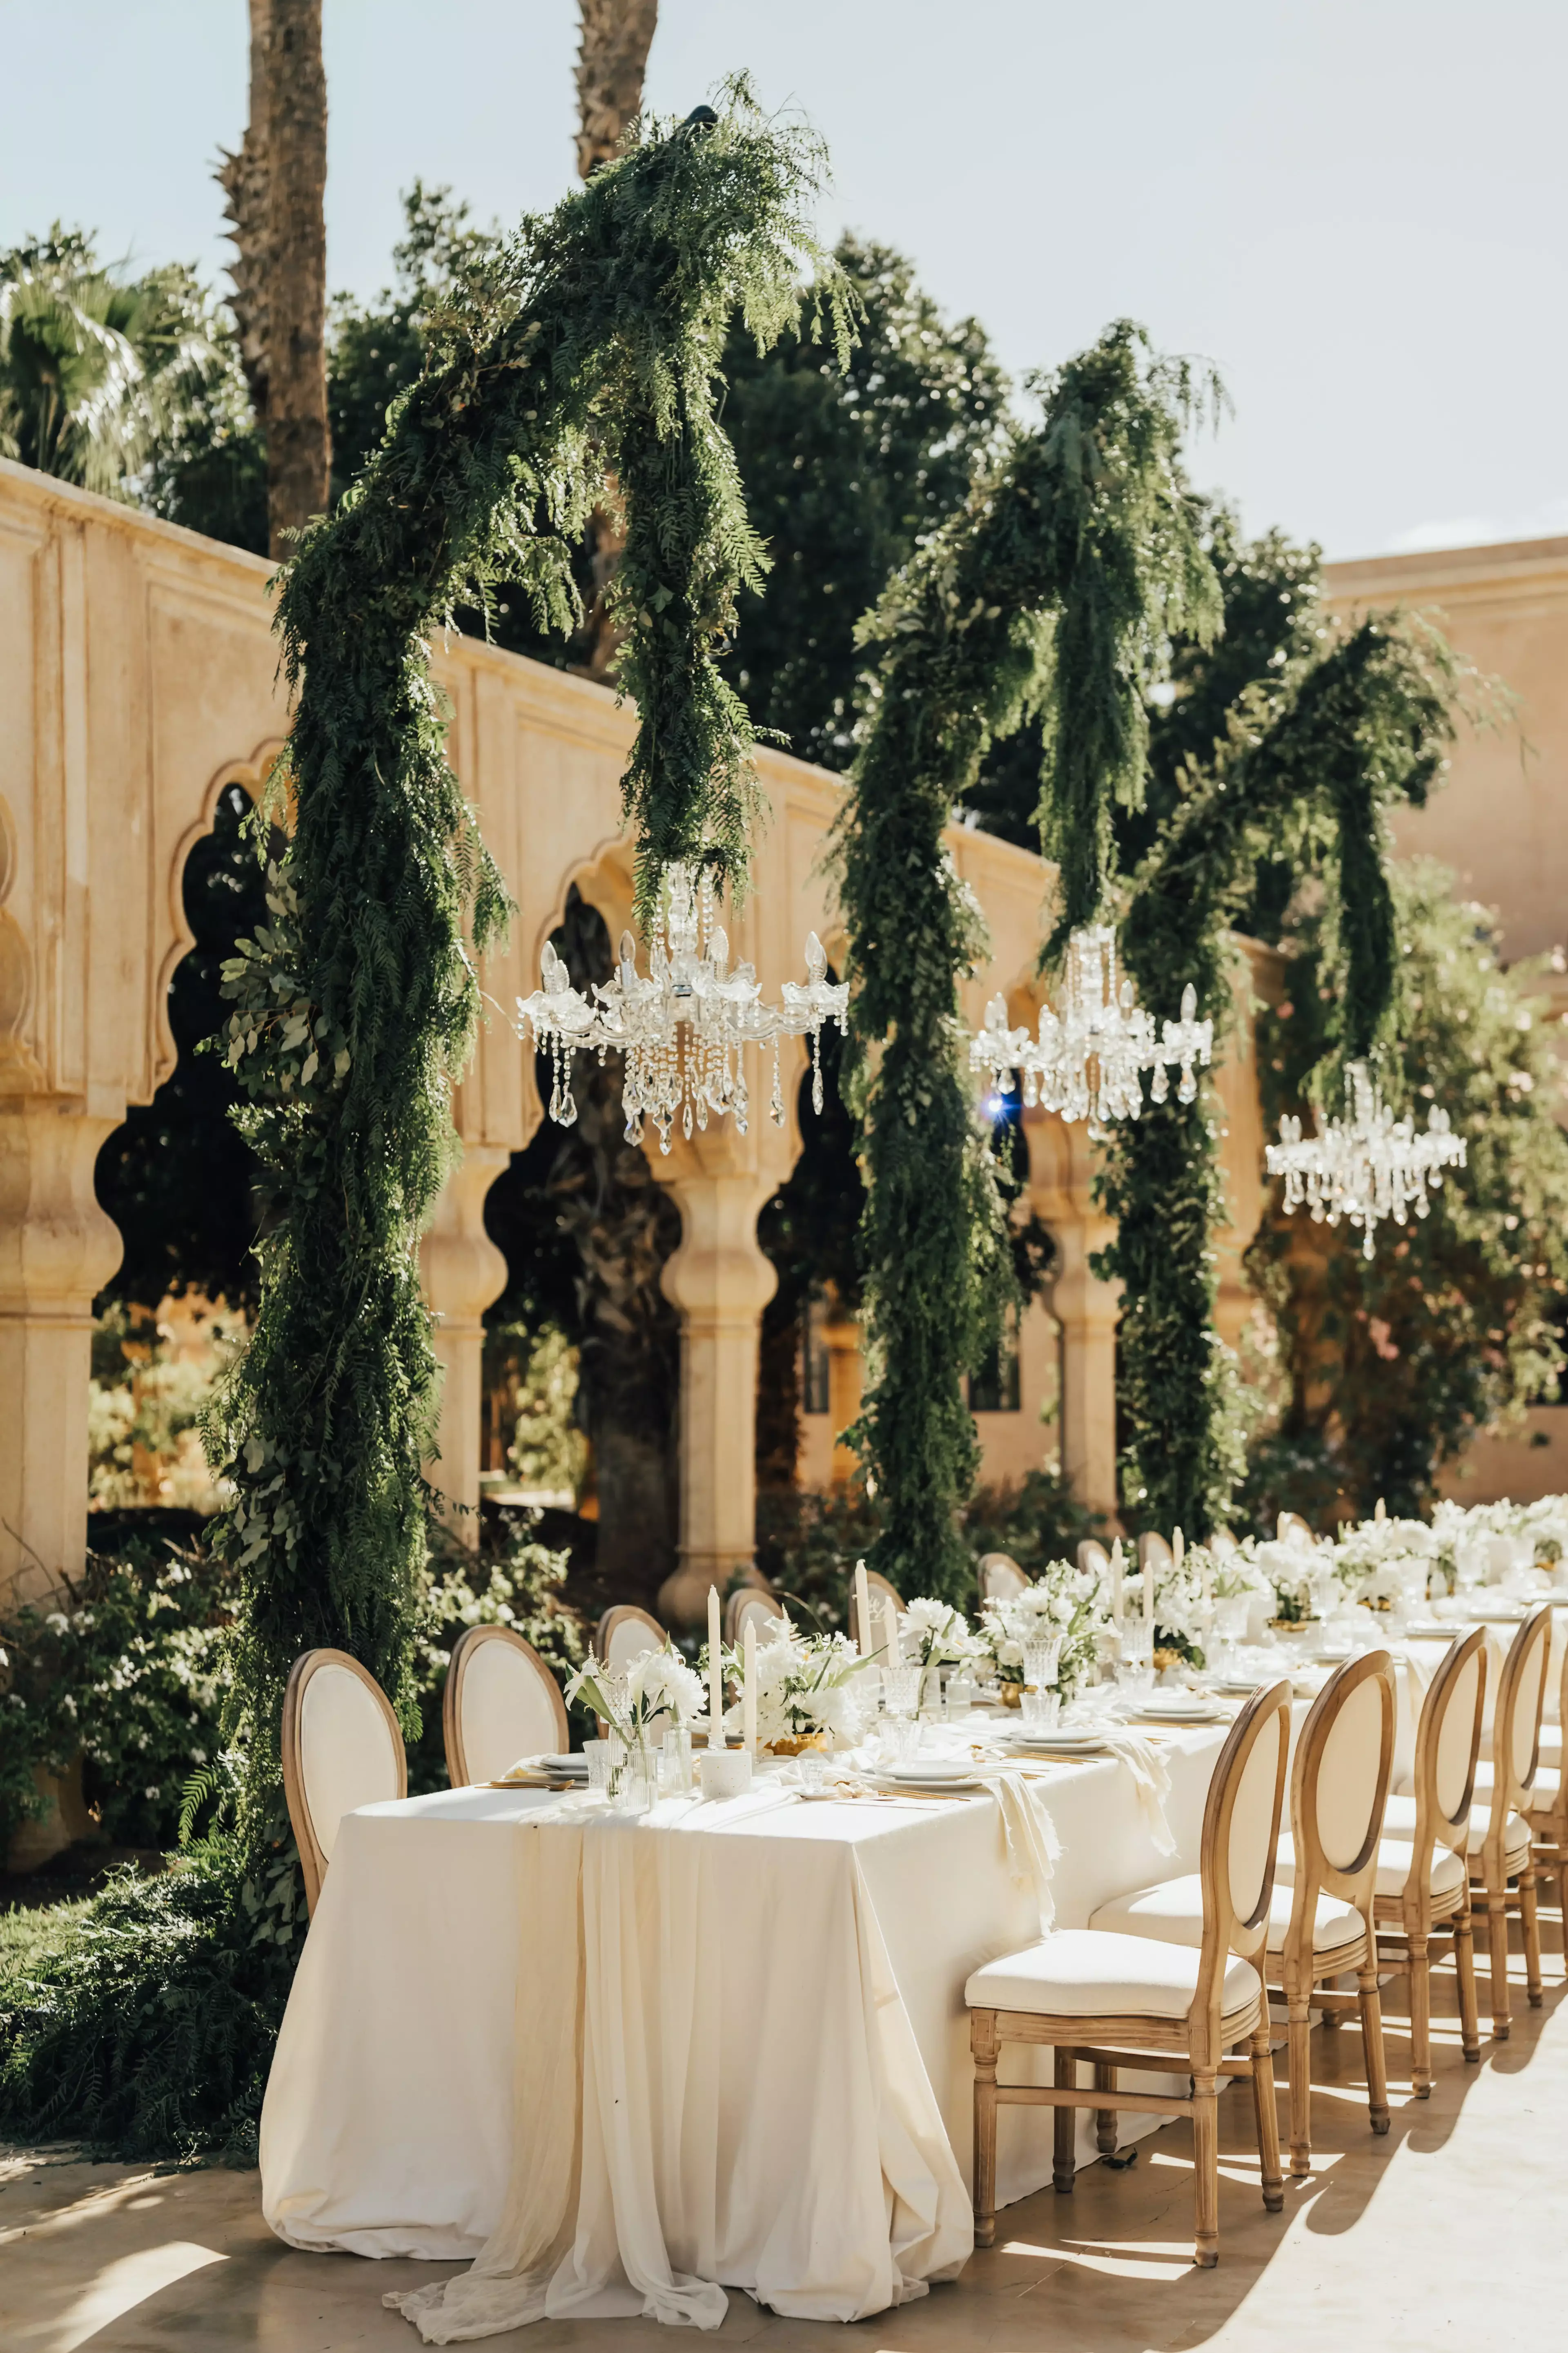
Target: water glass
(1137, 1644)
(900, 1737)
(675, 1762)
(1040, 1708)
(902, 1687)
(597, 1753)
(960, 1695)
(813, 1770)
(1041, 1661)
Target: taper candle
(1118, 1576)
(864, 1635)
(749, 1688)
(715, 1673)
(1149, 1586)
(892, 1656)
(1178, 1546)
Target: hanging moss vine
(596, 346)
(1308, 774)
(1055, 590)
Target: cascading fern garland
(596, 347)
(1309, 774)
(1055, 590)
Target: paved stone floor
(1450, 2231)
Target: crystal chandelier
(683, 1029)
(1086, 1060)
(1366, 1165)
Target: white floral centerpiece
(1064, 1603)
(657, 1686)
(806, 1695)
(941, 1638)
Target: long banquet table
(756, 2009)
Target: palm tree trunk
(299, 439)
(243, 178)
(612, 54)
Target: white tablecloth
(780, 1986)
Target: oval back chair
(1000, 1579)
(1423, 1885)
(1338, 1789)
(1501, 1841)
(342, 1748)
(1110, 2000)
(502, 1703)
(1291, 1528)
(623, 1633)
(750, 1602)
(1154, 1548)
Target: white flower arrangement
(941, 1639)
(805, 1685)
(656, 1683)
(1064, 1602)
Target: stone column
(1061, 1191)
(57, 1249)
(721, 1280)
(462, 1271)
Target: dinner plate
(1498, 1613)
(1172, 1717)
(559, 1766)
(1060, 1744)
(909, 1784)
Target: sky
(1356, 208)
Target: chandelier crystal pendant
(1089, 1056)
(1366, 1166)
(683, 1027)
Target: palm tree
(275, 187)
(95, 368)
(611, 55)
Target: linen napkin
(1150, 1779)
(1033, 1846)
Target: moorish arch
(138, 673)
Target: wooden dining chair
(1152, 1548)
(342, 1748)
(1222, 1544)
(751, 1601)
(1000, 1579)
(1548, 1815)
(1114, 2002)
(1502, 1843)
(877, 1586)
(501, 1702)
(1320, 1922)
(623, 1633)
(1291, 1524)
(1422, 1890)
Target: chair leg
(1267, 2116)
(1206, 2168)
(1065, 2126)
(1298, 2050)
(1371, 2046)
(1497, 1953)
(1465, 1970)
(1531, 1934)
(1105, 2118)
(1420, 1975)
(985, 2041)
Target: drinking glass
(598, 1754)
(902, 1688)
(1041, 1661)
(675, 1762)
(1040, 1708)
(960, 1695)
(813, 1768)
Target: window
(994, 1387)
(815, 1397)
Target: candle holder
(724, 1772)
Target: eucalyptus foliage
(355, 1007)
(1054, 590)
(1308, 772)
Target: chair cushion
(1516, 1832)
(1175, 1908)
(1078, 1973)
(1395, 1858)
(1540, 1797)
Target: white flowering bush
(657, 1683)
(1064, 1601)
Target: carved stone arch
(177, 937)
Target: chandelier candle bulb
(749, 1687)
(715, 1673)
